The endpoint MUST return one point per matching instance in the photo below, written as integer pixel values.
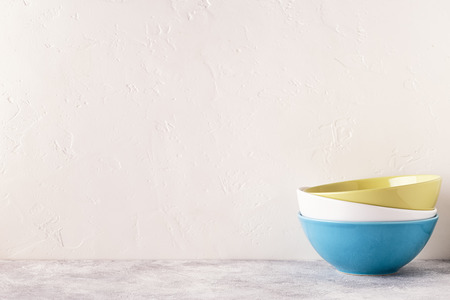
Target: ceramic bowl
(368, 248)
(407, 192)
(317, 207)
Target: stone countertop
(213, 279)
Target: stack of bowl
(370, 226)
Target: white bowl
(318, 207)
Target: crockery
(368, 248)
(318, 207)
(407, 192)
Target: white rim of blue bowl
(367, 223)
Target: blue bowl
(368, 248)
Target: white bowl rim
(357, 212)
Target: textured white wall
(181, 129)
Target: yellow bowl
(407, 192)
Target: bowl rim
(435, 178)
(360, 204)
(436, 217)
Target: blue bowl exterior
(368, 248)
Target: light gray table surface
(212, 279)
